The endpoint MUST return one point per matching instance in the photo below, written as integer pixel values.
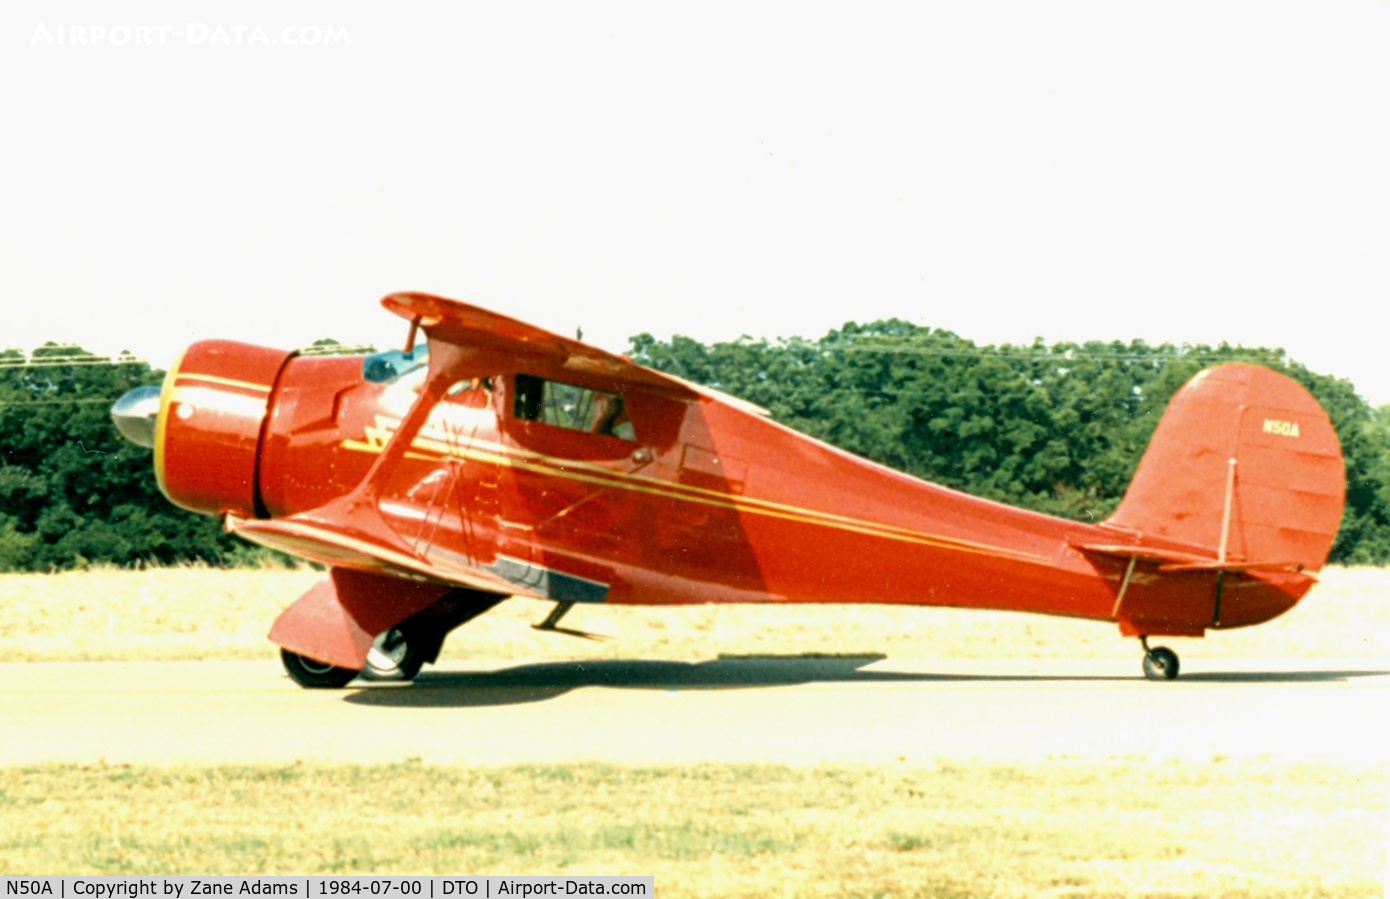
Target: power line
(1160, 353)
(68, 361)
(336, 349)
(55, 402)
(92, 359)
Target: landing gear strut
(397, 653)
(1160, 663)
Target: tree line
(1056, 428)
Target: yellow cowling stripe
(166, 393)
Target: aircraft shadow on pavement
(539, 681)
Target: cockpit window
(568, 406)
(388, 365)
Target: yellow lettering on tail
(1282, 428)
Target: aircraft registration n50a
(494, 459)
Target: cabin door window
(571, 407)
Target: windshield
(388, 365)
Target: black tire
(395, 656)
(1161, 663)
(309, 672)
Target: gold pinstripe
(220, 400)
(488, 452)
(227, 382)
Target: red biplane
(496, 459)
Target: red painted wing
(360, 544)
(468, 326)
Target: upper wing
(468, 326)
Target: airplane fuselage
(687, 499)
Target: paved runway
(784, 710)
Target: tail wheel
(393, 657)
(309, 672)
(1160, 663)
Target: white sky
(1174, 171)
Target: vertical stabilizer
(1245, 466)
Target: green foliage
(1058, 429)
(72, 492)
(1364, 537)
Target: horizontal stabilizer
(1143, 553)
(1174, 560)
(1214, 565)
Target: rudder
(1279, 501)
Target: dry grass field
(204, 613)
(1059, 829)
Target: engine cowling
(254, 431)
(212, 414)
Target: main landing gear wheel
(312, 673)
(1160, 663)
(393, 657)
